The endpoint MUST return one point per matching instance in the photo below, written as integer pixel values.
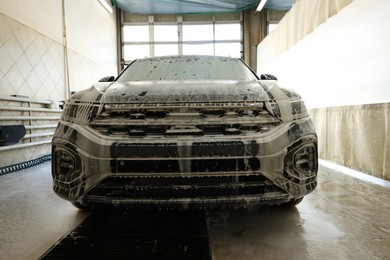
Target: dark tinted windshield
(187, 67)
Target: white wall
(32, 33)
(91, 30)
(345, 61)
(44, 16)
(32, 55)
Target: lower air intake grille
(182, 187)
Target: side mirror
(268, 77)
(107, 79)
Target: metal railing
(39, 117)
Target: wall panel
(32, 59)
(342, 70)
(300, 21)
(345, 61)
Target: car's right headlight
(298, 109)
(81, 112)
(288, 109)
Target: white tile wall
(84, 72)
(32, 65)
(27, 60)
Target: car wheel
(81, 206)
(291, 203)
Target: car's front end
(208, 144)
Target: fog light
(305, 160)
(65, 163)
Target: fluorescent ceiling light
(106, 5)
(261, 5)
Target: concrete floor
(344, 218)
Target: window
(166, 49)
(228, 49)
(165, 33)
(156, 35)
(168, 68)
(198, 49)
(136, 33)
(201, 32)
(272, 26)
(228, 31)
(132, 52)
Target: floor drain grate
(120, 234)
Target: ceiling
(196, 6)
(281, 5)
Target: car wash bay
(344, 218)
(332, 52)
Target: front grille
(184, 119)
(193, 165)
(183, 187)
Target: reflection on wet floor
(125, 234)
(344, 218)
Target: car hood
(185, 91)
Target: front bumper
(232, 171)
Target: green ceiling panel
(184, 6)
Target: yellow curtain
(357, 137)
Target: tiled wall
(32, 65)
(83, 72)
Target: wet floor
(344, 218)
(147, 234)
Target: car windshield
(187, 68)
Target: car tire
(291, 203)
(81, 206)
